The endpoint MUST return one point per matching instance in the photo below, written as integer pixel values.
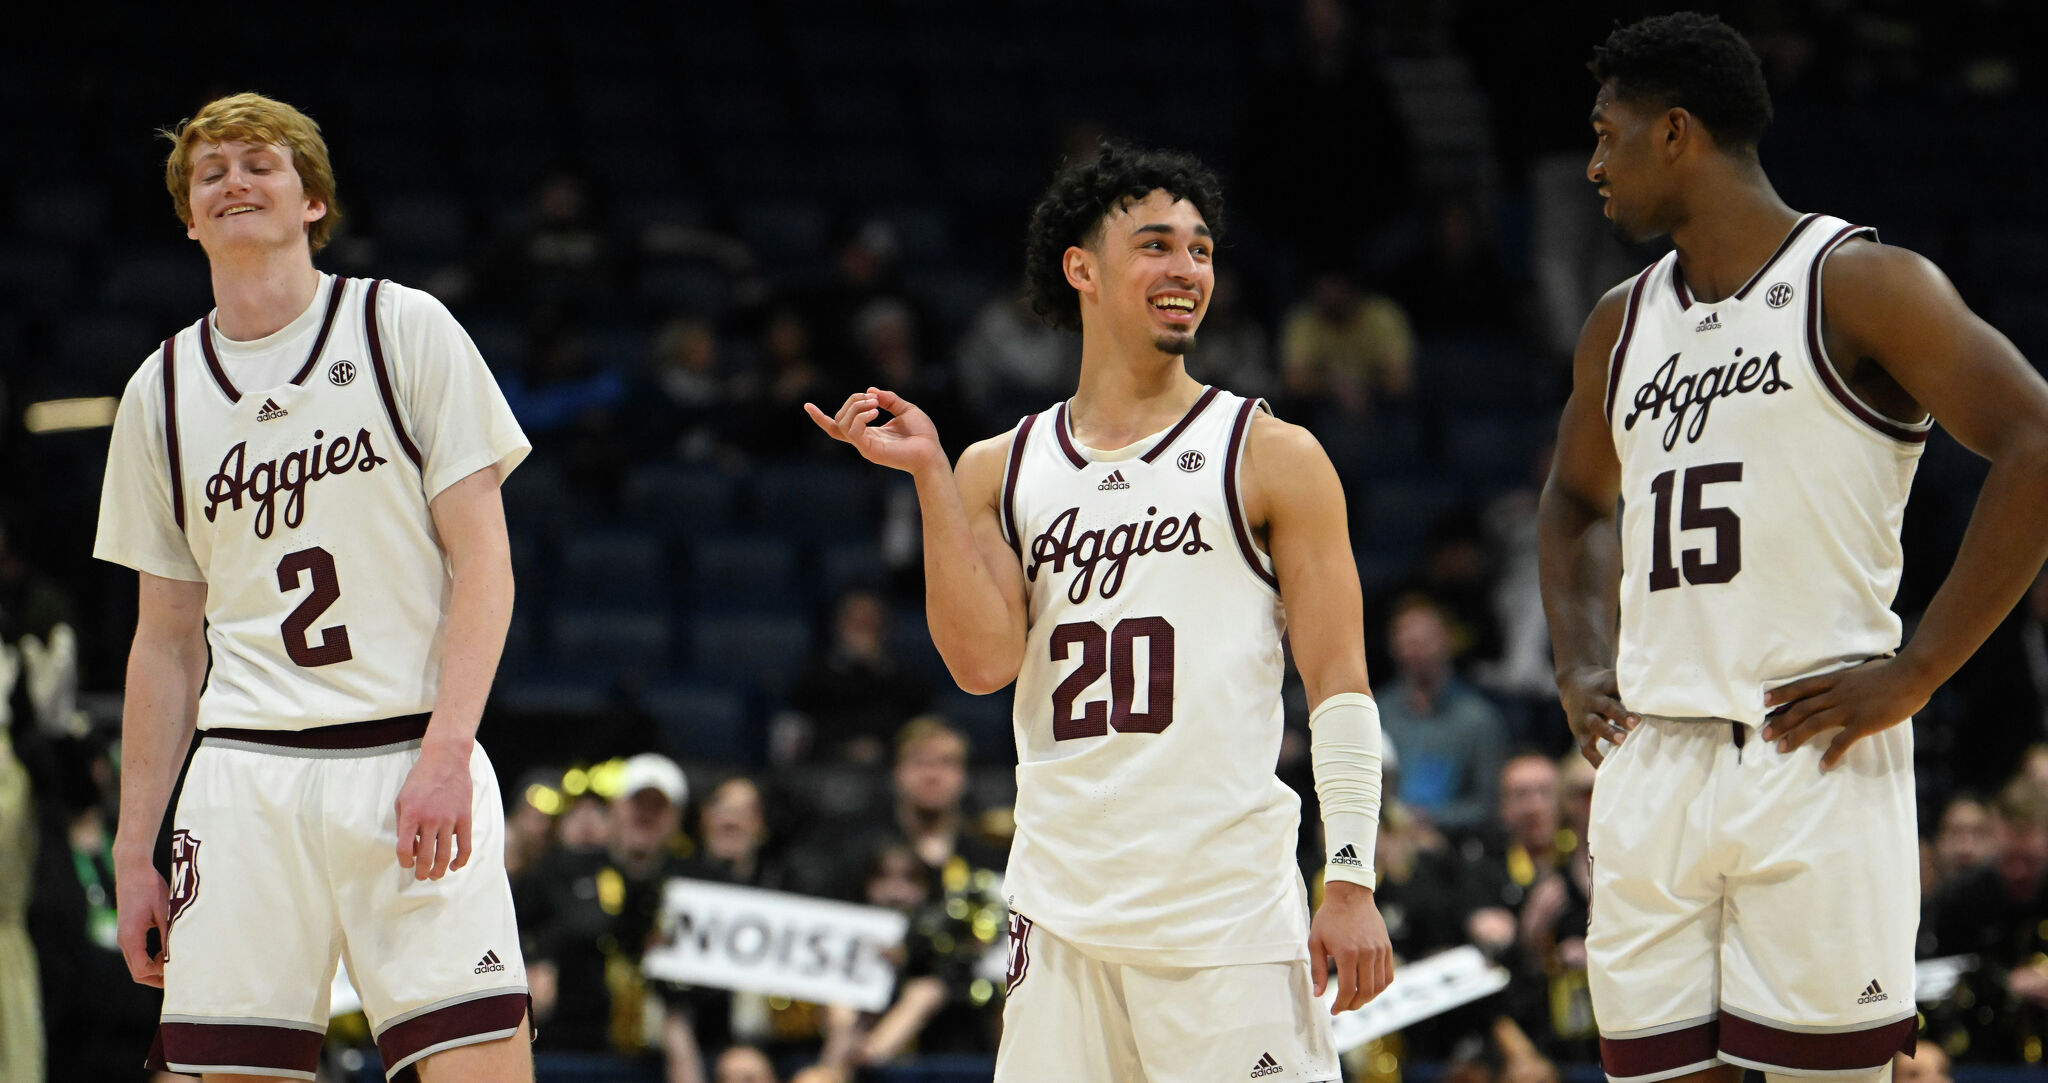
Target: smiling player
(1132, 558)
(307, 482)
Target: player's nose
(1596, 169)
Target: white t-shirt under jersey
(305, 464)
(1150, 826)
(1762, 499)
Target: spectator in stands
(1555, 1004)
(928, 809)
(562, 254)
(744, 1064)
(587, 916)
(1418, 892)
(887, 355)
(789, 374)
(857, 692)
(1928, 1064)
(530, 820)
(1994, 912)
(1519, 851)
(585, 823)
(1457, 574)
(685, 412)
(1963, 840)
(733, 828)
(1234, 351)
(1346, 347)
(1450, 737)
(866, 274)
(1010, 362)
(2006, 679)
(1457, 264)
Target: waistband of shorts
(348, 735)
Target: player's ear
(1079, 264)
(1680, 129)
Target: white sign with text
(1419, 990)
(775, 944)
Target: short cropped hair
(1071, 211)
(253, 118)
(923, 730)
(1693, 62)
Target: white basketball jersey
(304, 506)
(1762, 499)
(1150, 826)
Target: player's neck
(1128, 394)
(258, 293)
(1722, 247)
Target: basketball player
(307, 482)
(1757, 402)
(1131, 559)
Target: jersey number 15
(1115, 651)
(1694, 515)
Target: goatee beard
(1174, 343)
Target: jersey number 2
(333, 646)
(1117, 652)
(1726, 525)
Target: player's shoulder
(1275, 441)
(1864, 266)
(398, 301)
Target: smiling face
(248, 196)
(1633, 176)
(1148, 273)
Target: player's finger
(1347, 981)
(824, 422)
(408, 838)
(1791, 717)
(1318, 963)
(891, 401)
(1801, 689)
(444, 850)
(1589, 747)
(463, 828)
(1839, 747)
(1808, 728)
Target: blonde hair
(253, 118)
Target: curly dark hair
(1083, 194)
(1693, 62)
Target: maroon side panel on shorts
(1626, 1057)
(1843, 1051)
(233, 1045)
(484, 1015)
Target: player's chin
(1173, 343)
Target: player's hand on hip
(1592, 706)
(1349, 933)
(1862, 700)
(142, 902)
(433, 814)
(908, 442)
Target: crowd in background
(718, 668)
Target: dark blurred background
(667, 230)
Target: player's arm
(434, 804)
(1579, 545)
(166, 669)
(1895, 308)
(974, 586)
(1293, 492)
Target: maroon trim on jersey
(1797, 1051)
(1678, 284)
(171, 430)
(326, 326)
(1797, 229)
(220, 374)
(1824, 367)
(1687, 1047)
(1238, 526)
(1628, 331)
(1074, 455)
(1010, 533)
(383, 731)
(1201, 404)
(483, 1019)
(383, 374)
(234, 1047)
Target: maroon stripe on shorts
(1841, 1051)
(1623, 1058)
(220, 1046)
(384, 731)
(484, 1015)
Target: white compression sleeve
(1344, 748)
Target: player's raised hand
(908, 442)
(433, 814)
(1349, 934)
(1862, 700)
(142, 902)
(1592, 707)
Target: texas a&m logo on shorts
(184, 878)
(1020, 950)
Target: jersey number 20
(333, 646)
(1116, 651)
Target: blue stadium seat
(1394, 517)
(628, 568)
(744, 573)
(422, 225)
(985, 720)
(762, 649)
(845, 565)
(704, 722)
(678, 500)
(924, 234)
(535, 496)
(685, 287)
(785, 232)
(817, 502)
(611, 642)
(575, 696)
(169, 284)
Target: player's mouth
(1176, 307)
(234, 209)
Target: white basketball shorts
(1748, 908)
(284, 859)
(1077, 1019)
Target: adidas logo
(1711, 323)
(1265, 1067)
(1347, 856)
(271, 411)
(1115, 480)
(1871, 993)
(489, 964)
